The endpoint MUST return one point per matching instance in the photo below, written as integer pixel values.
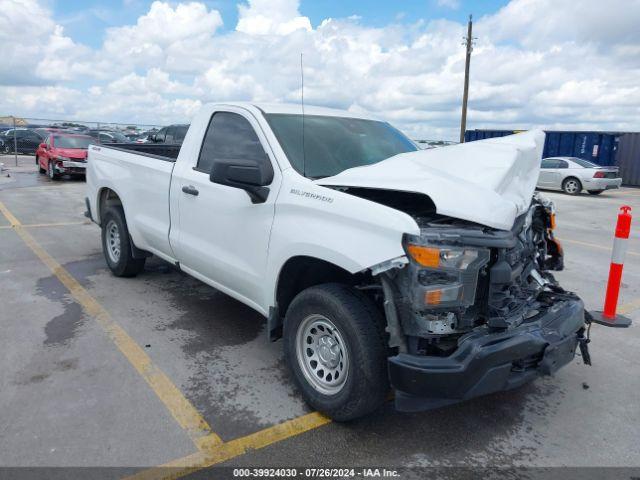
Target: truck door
(222, 237)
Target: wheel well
(107, 198)
(300, 273)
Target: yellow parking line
(180, 408)
(38, 225)
(594, 245)
(234, 448)
(61, 224)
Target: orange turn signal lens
(425, 256)
(553, 221)
(433, 297)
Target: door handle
(190, 190)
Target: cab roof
(296, 108)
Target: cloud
(34, 45)
(453, 4)
(535, 63)
(262, 17)
(164, 36)
(536, 23)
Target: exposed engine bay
(462, 276)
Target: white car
(378, 264)
(572, 175)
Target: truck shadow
(241, 377)
(240, 384)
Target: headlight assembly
(446, 276)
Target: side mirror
(250, 175)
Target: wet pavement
(69, 397)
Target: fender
(348, 231)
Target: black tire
(571, 186)
(595, 192)
(361, 327)
(123, 264)
(51, 173)
(40, 169)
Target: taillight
(598, 175)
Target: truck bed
(167, 152)
(140, 175)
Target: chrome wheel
(572, 186)
(322, 354)
(113, 241)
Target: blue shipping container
(597, 147)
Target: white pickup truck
(380, 265)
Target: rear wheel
(336, 348)
(595, 192)
(572, 186)
(116, 245)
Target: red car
(63, 154)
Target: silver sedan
(572, 175)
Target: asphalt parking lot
(162, 370)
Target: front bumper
(70, 167)
(489, 362)
(72, 164)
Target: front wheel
(116, 245)
(335, 346)
(51, 171)
(595, 192)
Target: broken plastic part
(398, 262)
(396, 335)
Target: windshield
(73, 142)
(334, 144)
(584, 163)
(181, 132)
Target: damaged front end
(476, 310)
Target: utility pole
(468, 42)
(15, 141)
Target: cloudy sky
(550, 63)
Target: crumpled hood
(490, 182)
(75, 153)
